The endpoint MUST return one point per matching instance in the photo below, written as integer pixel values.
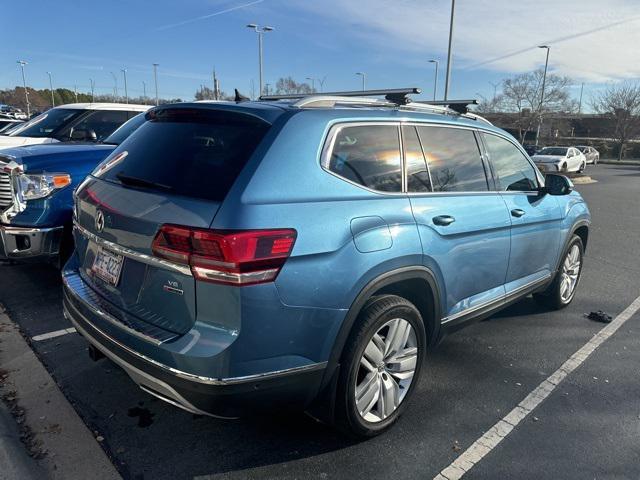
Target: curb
(15, 462)
(619, 162)
(68, 449)
(584, 180)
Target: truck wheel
(563, 288)
(380, 366)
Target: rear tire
(380, 366)
(562, 290)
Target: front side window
(510, 166)
(454, 159)
(368, 155)
(96, 126)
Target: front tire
(563, 288)
(380, 366)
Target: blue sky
(391, 40)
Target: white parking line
(500, 430)
(57, 333)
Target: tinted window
(560, 151)
(117, 137)
(368, 155)
(191, 152)
(47, 123)
(512, 169)
(102, 123)
(417, 172)
(454, 159)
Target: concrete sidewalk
(15, 462)
(58, 437)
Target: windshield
(117, 137)
(560, 151)
(44, 125)
(6, 126)
(583, 149)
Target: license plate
(107, 266)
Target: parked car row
(564, 159)
(305, 252)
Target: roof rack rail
(460, 106)
(398, 96)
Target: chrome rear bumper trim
(185, 375)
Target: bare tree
(287, 85)
(621, 103)
(522, 94)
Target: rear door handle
(443, 220)
(517, 212)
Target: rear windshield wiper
(141, 182)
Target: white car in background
(78, 122)
(560, 159)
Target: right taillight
(242, 257)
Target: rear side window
(418, 179)
(368, 155)
(511, 167)
(454, 159)
(190, 152)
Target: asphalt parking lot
(589, 427)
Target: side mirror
(557, 185)
(83, 135)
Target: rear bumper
(220, 397)
(21, 243)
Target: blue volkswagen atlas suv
(306, 252)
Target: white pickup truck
(79, 122)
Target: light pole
(364, 80)
(435, 79)
(448, 77)
(93, 85)
(75, 91)
(260, 31)
(126, 93)
(22, 63)
(115, 88)
(53, 102)
(144, 91)
(313, 83)
(155, 79)
(580, 102)
(544, 81)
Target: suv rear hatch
(175, 169)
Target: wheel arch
(417, 284)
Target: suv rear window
(189, 152)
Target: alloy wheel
(386, 370)
(570, 273)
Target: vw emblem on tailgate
(99, 221)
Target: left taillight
(243, 257)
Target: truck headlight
(34, 186)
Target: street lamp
(115, 88)
(313, 83)
(126, 93)
(22, 63)
(155, 79)
(260, 31)
(93, 85)
(544, 81)
(53, 102)
(364, 80)
(435, 79)
(448, 77)
(144, 91)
